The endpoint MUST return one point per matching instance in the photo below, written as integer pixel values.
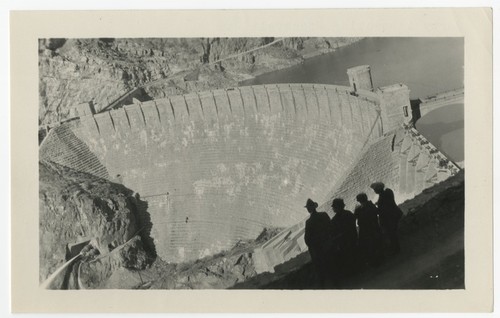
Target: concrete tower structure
(360, 78)
(395, 106)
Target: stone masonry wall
(219, 166)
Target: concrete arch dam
(219, 166)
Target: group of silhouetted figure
(339, 248)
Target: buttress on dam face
(220, 166)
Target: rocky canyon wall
(74, 71)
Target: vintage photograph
(283, 163)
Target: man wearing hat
(316, 236)
(389, 215)
(343, 229)
(370, 235)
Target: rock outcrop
(77, 208)
(218, 271)
(74, 71)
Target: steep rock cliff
(76, 207)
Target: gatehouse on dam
(218, 167)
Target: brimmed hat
(311, 204)
(377, 185)
(339, 203)
(362, 197)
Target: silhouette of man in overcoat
(369, 232)
(389, 215)
(344, 236)
(316, 237)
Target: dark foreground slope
(432, 257)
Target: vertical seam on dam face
(128, 119)
(186, 104)
(228, 102)
(242, 103)
(340, 105)
(317, 102)
(268, 99)
(305, 99)
(215, 104)
(329, 103)
(379, 112)
(171, 107)
(157, 111)
(281, 99)
(112, 121)
(142, 113)
(255, 99)
(350, 107)
(97, 125)
(293, 100)
(377, 119)
(360, 111)
(201, 105)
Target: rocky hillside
(219, 271)
(73, 71)
(76, 207)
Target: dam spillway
(219, 166)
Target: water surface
(426, 65)
(444, 128)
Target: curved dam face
(219, 166)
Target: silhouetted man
(370, 234)
(389, 215)
(344, 234)
(316, 237)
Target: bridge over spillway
(454, 97)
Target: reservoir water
(427, 65)
(444, 128)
